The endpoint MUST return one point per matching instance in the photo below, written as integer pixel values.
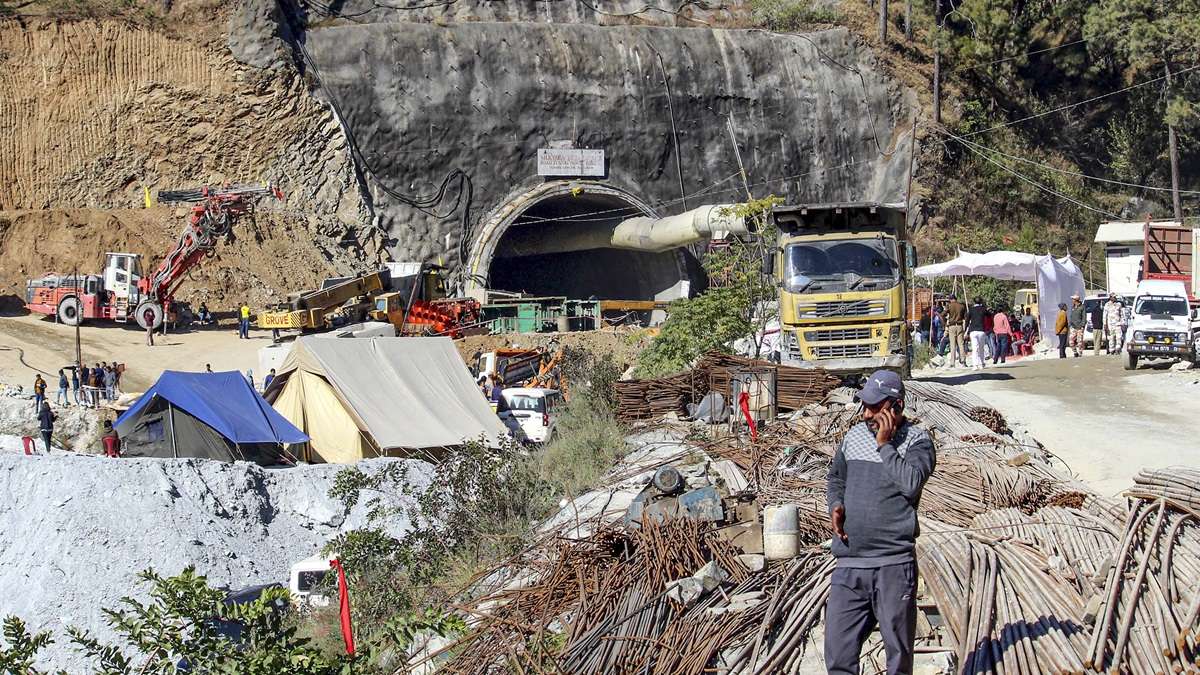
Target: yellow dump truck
(841, 272)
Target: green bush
(791, 15)
(733, 307)
(587, 438)
(587, 441)
(178, 628)
(711, 320)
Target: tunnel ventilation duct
(651, 235)
(661, 234)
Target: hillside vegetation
(1055, 116)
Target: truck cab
(1160, 324)
(841, 272)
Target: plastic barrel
(781, 532)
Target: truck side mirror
(768, 262)
(910, 253)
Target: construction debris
(1025, 570)
(1012, 552)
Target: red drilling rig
(121, 292)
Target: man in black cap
(874, 487)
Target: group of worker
(204, 317)
(1108, 323)
(85, 386)
(101, 381)
(992, 335)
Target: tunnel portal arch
(550, 241)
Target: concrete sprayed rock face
(78, 529)
(814, 121)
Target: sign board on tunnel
(570, 162)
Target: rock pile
(86, 525)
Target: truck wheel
(140, 314)
(1129, 360)
(70, 311)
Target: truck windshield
(1161, 304)
(845, 265)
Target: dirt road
(1104, 422)
(48, 346)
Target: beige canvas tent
(366, 397)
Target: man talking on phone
(874, 487)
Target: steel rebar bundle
(1006, 611)
(1151, 612)
(651, 398)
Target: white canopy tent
(1057, 279)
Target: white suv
(530, 413)
(1160, 325)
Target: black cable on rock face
(425, 204)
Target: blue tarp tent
(213, 415)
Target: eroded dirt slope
(95, 111)
(271, 251)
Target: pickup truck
(1160, 325)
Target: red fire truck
(121, 292)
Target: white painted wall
(1122, 262)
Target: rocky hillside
(98, 109)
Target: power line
(1044, 188)
(1063, 171)
(1079, 103)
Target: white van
(1160, 324)
(305, 578)
(530, 413)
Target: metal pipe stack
(1151, 612)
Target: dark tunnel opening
(557, 248)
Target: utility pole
(78, 320)
(937, 61)
(883, 21)
(1173, 146)
(908, 20)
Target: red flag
(744, 402)
(344, 606)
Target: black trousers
(1062, 345)
(860, 599)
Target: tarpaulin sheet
(312, 405)
(405, 392)
(1057, 281)
(1006, 265)
(224, 401)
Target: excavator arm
(215, 211)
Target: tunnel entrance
(559, 246)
